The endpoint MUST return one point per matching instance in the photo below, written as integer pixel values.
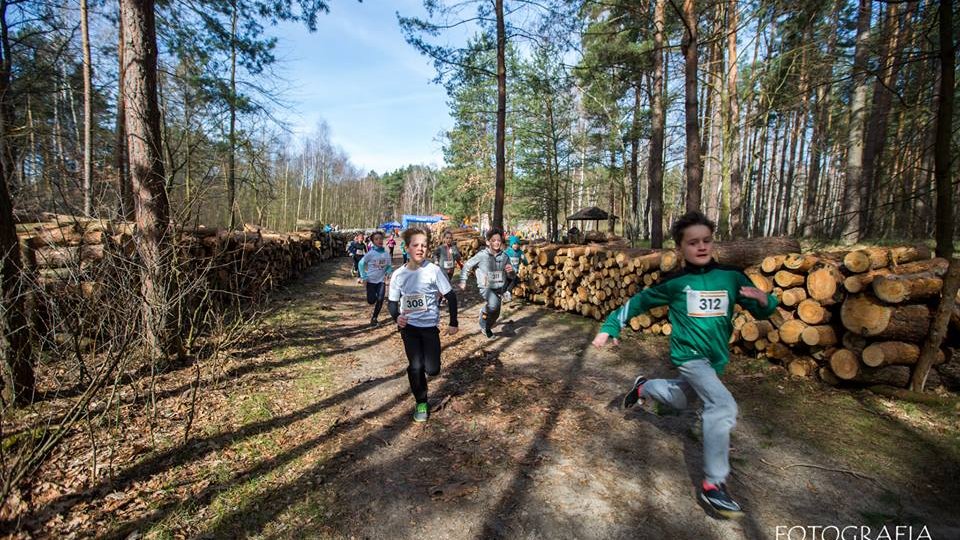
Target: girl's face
(378, 240)
(417, 248)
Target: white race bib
(515, 261)
(494, 279)
(707, 303)
(448, 264)
(413, 303)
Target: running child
(415, 289)
(447, 255)
(701, 298)
(517, 259)
(356, 249)
(494, 271)
(375, 268)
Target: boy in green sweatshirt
(701, 298)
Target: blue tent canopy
(409, 220)
(389, 225)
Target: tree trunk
(714, 114)
(876, 133)
(694, 163)
(634, 159)
(852, 204)
(120, 152)
(232, 136)
(731, 213)
(658, 121)
(942, 150)
(87, 111)
(500, 189)
(151, 208)
(15, 347)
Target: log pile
(854, 317)
(70, 260)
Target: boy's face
(697, 245)
(495, 242)
(515, 246)
(448, 239)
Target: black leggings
(356, 263)
(423, 352)
(375, 293)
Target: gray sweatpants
(490, 312)
(719, 411)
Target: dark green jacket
(701, 301)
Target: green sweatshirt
(701, 301)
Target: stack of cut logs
(68, 255)
(858, 316)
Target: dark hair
(694, 217)
(494, 231)
(446, 232)
(413, 231)
(375, 233)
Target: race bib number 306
(448, 264)
(413, 303)
(707, 303)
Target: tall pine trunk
(501, 165)
(87, 111)
(853, 202)
(151, 207)
(942, 150)
(120, 152)
(15, 347)
(232, 135)
(658, 123)
(694, 163)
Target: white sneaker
(507, 296)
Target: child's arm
(637, 304)
(760, 304)
(467, 268)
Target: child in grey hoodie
(494, 273)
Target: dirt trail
(314, 438)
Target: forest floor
(306, 432)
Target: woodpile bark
(77, 261)
(820, 329)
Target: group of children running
(701, 297)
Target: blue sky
(372, 88)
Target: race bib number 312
(707, 303)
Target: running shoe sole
(722, 512)
(632, 397)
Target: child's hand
(402, 321)
(463, 286)
(508, 268)
(451, 330)
(602, 338)
(755, 293)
